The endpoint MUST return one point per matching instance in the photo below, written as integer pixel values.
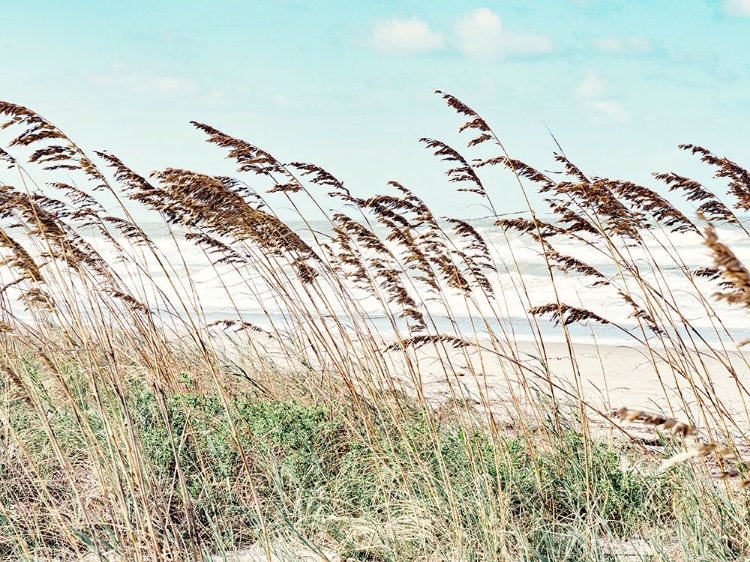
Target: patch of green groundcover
(373, 481)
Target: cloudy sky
(348, 85)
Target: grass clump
(350, 480)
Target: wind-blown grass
(136, 426)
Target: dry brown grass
(362, 308)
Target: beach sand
(505, 379)
(607, 377)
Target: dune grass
(136, 425)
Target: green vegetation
(371, 487)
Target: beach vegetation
(374, 400)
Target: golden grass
(358, 313)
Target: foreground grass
(136, 470)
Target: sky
(349, 85)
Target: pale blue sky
(348, 85)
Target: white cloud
(592, 86)
(737, 7)
(400, 36)
(216, 96)
(623, 45)
(594, 90)
(481, 34)
(121, 75)
(610, 108)
(281, 100)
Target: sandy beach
(607, 377)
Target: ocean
(520, 280)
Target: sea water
(190, 279)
